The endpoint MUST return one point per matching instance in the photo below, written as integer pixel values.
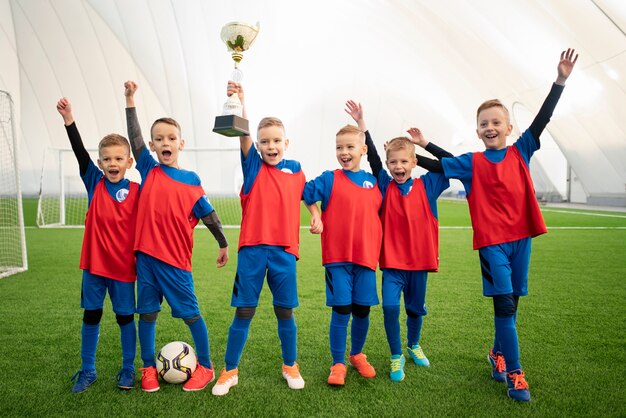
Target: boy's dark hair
(492, 103)
(112, 140)
(270, 121)
(168, 121)
(400, 143)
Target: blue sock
(288, 334)
(358, 333)
(147, 335)
(413, 330)
(89, 345)
(391, 316)
(128, 335)
(496, 344)
(237, 337)
(506, 334)
(338, 336)
(200, 336)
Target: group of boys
(392, 223)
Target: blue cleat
(498, 366)
(397, 368)
(126, 379)
(417, 354)
(84, 379)
(517, 386)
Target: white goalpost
(63, 200)
(12, 237)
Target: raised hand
(566, 65)
(355, 110)
(130, 87)
(233, 88)
(417, 137)
(64, 107)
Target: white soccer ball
(176, 362)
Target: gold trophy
(238, 37)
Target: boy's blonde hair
(112, 140)
(270, 121)
(400, 143)
(351, 129)
(168, 121)
(493, 103)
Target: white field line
(570, 212)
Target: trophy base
(231, 125)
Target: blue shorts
(350, 283)
(412, 283)
(94, 290)
(156, 279)
(253, 264)
(505, 268)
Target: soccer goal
(63, 199)
(12, 238)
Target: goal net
(12, 237)
(63, 199)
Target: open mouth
(399, 176)
(166, 154)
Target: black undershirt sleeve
(137, 143)
(82, 156)
(212, 221)
(546, 111)
(430, 164)
(437, 151)
(372, 155)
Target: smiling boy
(505, 217)
(172, 202)
(106, 259)
(351, 241)
(410, 247)
(268, 245)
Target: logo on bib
(121, 195)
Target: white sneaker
(292, 375)
(227, 380)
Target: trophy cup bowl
(238, 38)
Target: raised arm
(64, 107)
(244, 141)
(355, 110)
(212, 221)
(137, 143)
(428, 163)
(564, 69)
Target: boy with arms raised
(268, 245)
(172, 201)
(351, 240)
(505, 216)
(107, 258)
(410, 247)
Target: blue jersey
(320, 188)
(252, 164)
(92, 177)
(434, 184)
(461, 167)
(145, 163)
